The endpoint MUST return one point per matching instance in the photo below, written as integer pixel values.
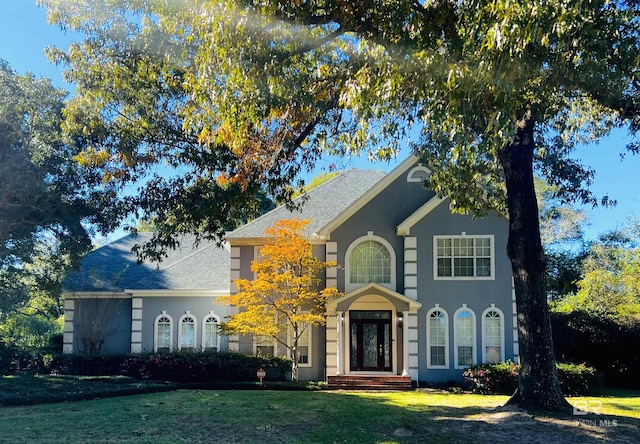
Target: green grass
(259, 416)
(25, 390)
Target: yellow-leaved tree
(285, 298)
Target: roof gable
(404, 229)
(323, 204)
(370, 194)
(329, 205)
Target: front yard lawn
(264, 416)
(25, 390)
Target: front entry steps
(369, 382)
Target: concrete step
(369, 382)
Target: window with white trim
(187, 332)
(464, 337)
(162, 338)
(492, 335)
(211, 333)
(265, 346)
(304, 346)
(370, 259)
(418, 174)
(437, 338)
(463, 257)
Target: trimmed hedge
(84, 365)
(205, 367)
(502, 378)
(174, 367)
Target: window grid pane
(463, 257)
(465, 355)
(187, 333)
(210, 339)
(464, 338)
(493, 339)
(437, 338)
(164, 333)
(370, 261)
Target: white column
(69, 311)
(234, 270)
(339, 363)
(411, 267)
(405, 343)
(136, 325)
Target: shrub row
(609, 345)
(502, 378)
(205, 367)
(174, 367)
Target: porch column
(405, 343)
(339, 342)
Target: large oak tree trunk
(538, 385)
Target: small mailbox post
(261, 374)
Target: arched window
(162, 338)
(464, 337)
(492, 334)
(211, 333)
(437, 338)
(370, 259)
(187, 332)
(418, 174)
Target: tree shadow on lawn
(46, 389)
(440, 423)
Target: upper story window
(464, 257)
(418, 174)
(370, 259)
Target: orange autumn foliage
(286, 297)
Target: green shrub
(502, 378)
(611, 346)
(14, 359)
(205, 367)
(83, 364)
(175, 367)
(576, 379)
(499, 378)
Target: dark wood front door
(370, 340)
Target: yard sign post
(261, 374)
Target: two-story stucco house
(426, 292)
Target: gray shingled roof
(325, 202)
(113, 267)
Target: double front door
(370, 340)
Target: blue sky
(24, 33)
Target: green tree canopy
(610, 285)
(132, 77)
(494, 90)
(42, 194)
